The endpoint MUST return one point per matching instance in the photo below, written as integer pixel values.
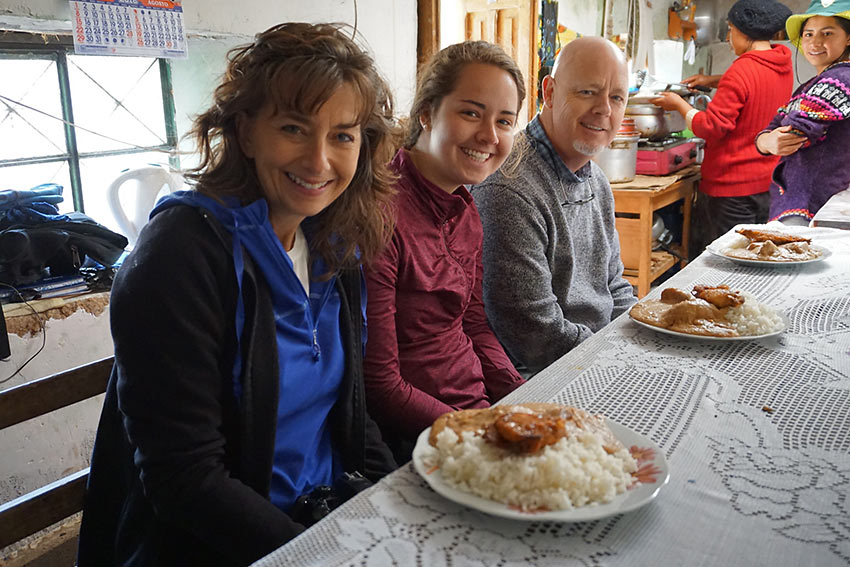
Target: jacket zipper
(443, 230)
(314, 321)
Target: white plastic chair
(148, 182)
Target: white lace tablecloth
(747, 486)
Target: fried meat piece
(674, 295)
(775, 236)
(525, 428)
(697, 317)
(687, 312)
(801, 248)
(720, 296)
(764, 249)
(526, 433)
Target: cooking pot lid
(642, 97)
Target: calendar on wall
(148, 28)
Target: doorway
(508, 23)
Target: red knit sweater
(747, 98)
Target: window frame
(56, 48)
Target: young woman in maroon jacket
(735, 176)
(430, 349)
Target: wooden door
(509, 23)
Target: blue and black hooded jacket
(182, 461)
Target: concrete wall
(47, 448)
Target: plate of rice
(715, 313)
(598, 468)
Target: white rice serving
(753, 318)
(575, 471)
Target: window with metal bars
(79, 120)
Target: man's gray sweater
(552, 269)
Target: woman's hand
(671, 101)
(700, 80)
(780, 142)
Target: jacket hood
(778, 58)
(233, 218)
(229, 213)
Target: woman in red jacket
(735, 176)
(430, 349)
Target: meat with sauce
(775, 236)
(674, 295)
(720, 296)
(700, 312)
(526, 428)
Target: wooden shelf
(634, 207)
(660, 262)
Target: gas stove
(666, 156)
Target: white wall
(582, 17)
(47, 448)
(388, 28)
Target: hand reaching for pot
(671, 101)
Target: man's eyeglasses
(579, 201)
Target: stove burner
(665, 156)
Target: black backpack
(30, 252)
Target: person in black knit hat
(735, 175)
(758, 19)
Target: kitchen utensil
(700, 88)
(642, 77)
(662, 237)
(653, 122)
(698, 101)
(618, 159)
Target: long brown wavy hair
(298, 67)
(440, 75)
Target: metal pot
(619, 159)
(654, 122)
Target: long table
(756, 433)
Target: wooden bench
(58, 501)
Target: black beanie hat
(759, 19)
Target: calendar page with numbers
(147, 28)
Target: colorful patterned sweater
(819, 110)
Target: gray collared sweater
(552, 269)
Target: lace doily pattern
(757, 435)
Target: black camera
(310, 508)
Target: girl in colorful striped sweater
(812, 131)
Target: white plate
(637, 496)
(710, 338)
(825, 253)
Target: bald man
(552, 269)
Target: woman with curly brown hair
(235, 412)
